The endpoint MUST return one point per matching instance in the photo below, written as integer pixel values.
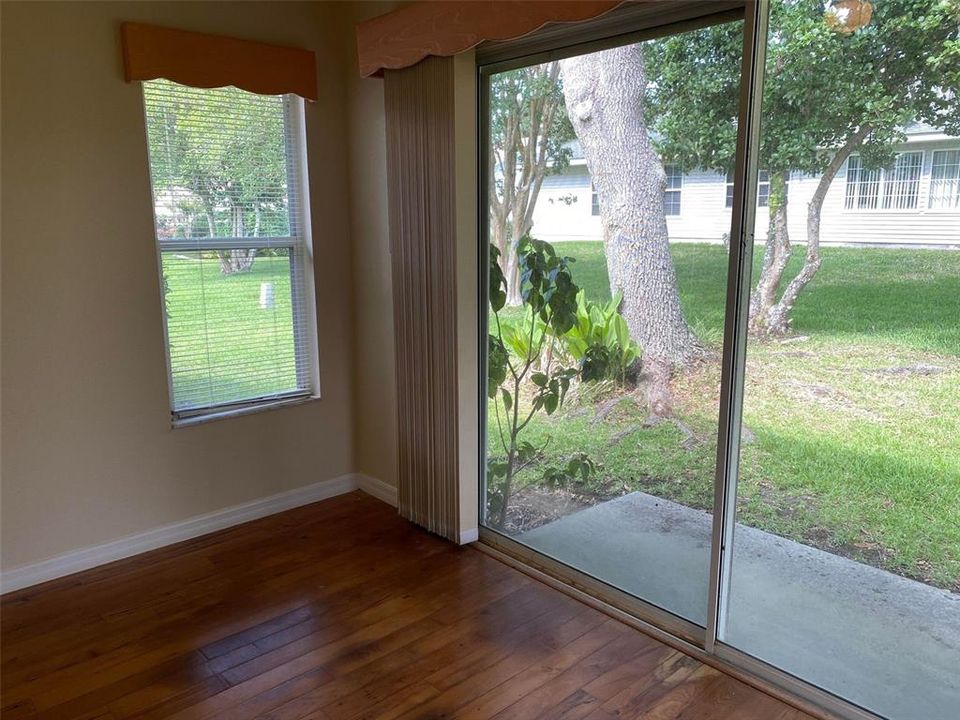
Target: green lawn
(843, 452)
(223, 345)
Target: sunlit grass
(842, 451)
(223, 345)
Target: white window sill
(214, 415)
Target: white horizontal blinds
(225, 170)
(901, 183)
(945, 180)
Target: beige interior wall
(88, 451)
(375, 418)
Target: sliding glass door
(607, 277)
(722, 338)
(843, 529)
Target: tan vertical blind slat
(419, 104)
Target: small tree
(831, 88)
(528, 132)
(549, 298)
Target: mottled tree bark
(776, 255)
(773, 318)
(604, 93)
(240, 260)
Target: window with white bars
(229, 188)
(945, 180)
(671, 197)
(893, 188)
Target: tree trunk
(211, 223)
(777, 321)
(511, 273)
(604, 94)
(776, 255)
(240, 260)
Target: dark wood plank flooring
(333, 611)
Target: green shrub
(600, 341)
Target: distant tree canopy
(828, 92)
(218, 164)
(820, 85)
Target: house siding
(563, 210)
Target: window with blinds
(235, 262)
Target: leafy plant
(514, 364)
(578, 470)
(600, 341)
(519, 341)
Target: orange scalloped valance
(208, 61)
(406, 36)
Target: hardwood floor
(332, 611)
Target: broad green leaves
(552, 390)
(546, 285)
(522, 376)
(497, 364)
(600, 340)
(522, 339)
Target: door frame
(635, 23)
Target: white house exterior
(917, 202)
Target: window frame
(673, 171)
(493, 60)
(763, 180)
(882, 181)
(933, 162)
(703, 643)
(594, 201)
(299, 244)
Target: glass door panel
(608, 274)
(845, 562)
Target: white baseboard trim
(469, 536)
(86, 558)
(378, 488)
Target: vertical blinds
(419, 111)
(225, 168)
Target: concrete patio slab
(883, 641)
